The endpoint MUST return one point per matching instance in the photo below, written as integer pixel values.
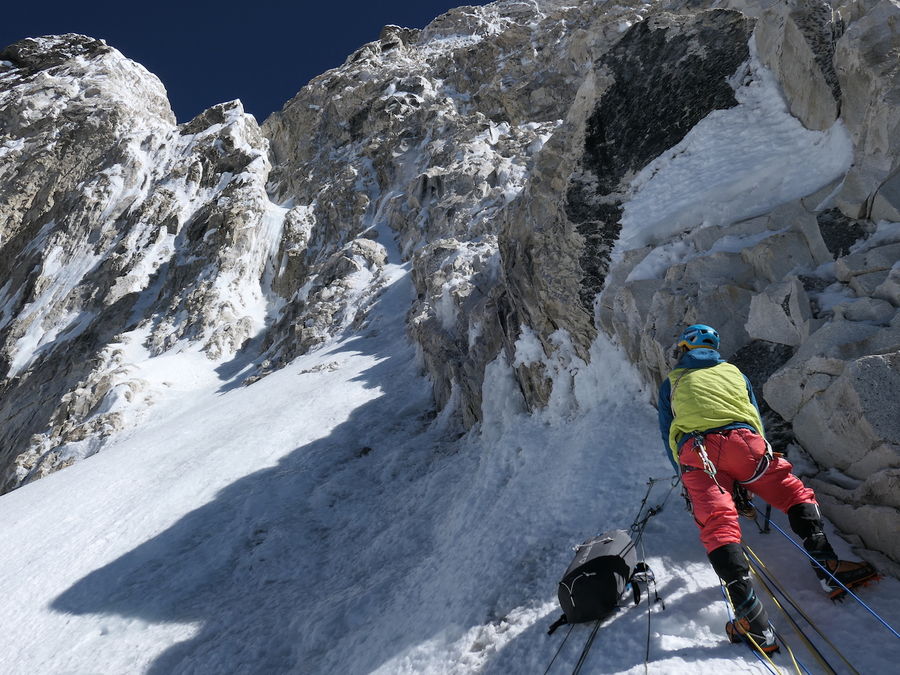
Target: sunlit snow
(326, 519)
(734, 164)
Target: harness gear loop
(708, 467)
(762, 466)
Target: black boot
(807, 523)
(751, 621)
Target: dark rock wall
(667, 74)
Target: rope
(561, 644)
(637, 527)
(587, 648)
(812, 648)
(798, 665)
(760, 655)
(791, 653)
(774, 581)
(647, 652)
(824, 569)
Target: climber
(711, 427)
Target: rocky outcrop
(118, 227)
(557, 239)
(430, 136)
(797, 40)
(866, 65)
(691, 58)
(126, 236)
(804, 295)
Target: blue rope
(802, 665)
(852, 594)
(731, 617)
(768, 579)
(784, 642)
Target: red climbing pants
(736, 455)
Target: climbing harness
(762, 466)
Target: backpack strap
(561, 621)
(641, 576)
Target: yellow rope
(750, 637)
(786, 645)
(803, 614)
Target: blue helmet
(699, 335)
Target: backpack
(598, 577)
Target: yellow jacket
(704, 393)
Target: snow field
(320, 520)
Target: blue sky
(259, 51)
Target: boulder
(780, 314)
(868, 71)
(886, 204)
(791, 387)
(865, 284)
(847, 425)
(705, 269)
(779, 256)
(889, 289)
(868, 512)
(796, 40)
(794, 216)
(846, 340)
(869, 310)
(868, 270)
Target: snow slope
(326, 520)
(320, 521)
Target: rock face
(797, 41)
(118, 227)
(690, 58)
(866, 63)
(429, 136)
(820, 279)
(556, 258)
(544, 171)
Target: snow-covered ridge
(135, 224)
